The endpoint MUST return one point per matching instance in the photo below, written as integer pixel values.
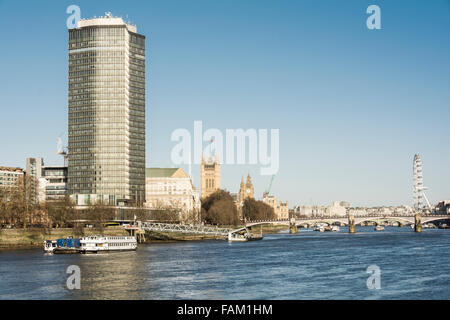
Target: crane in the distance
(267, 192)
(61, 150)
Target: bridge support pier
(351, 224)
(417, 223)
(292, 226)
(293, 229)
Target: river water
(307, 265)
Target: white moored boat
(319, 228)
(236, 237)
(97, 244)
(49, 246)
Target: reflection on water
(307, 265)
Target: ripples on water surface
(307, 265)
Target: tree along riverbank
(34, 237)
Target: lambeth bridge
(139, 228)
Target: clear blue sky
(353, 105)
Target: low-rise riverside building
(46, 183)
(337, 208)
(34, 172)
(53, 184)
(171, 188)
(11, 178)
(281, 210)
(443, 207)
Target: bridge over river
(352, 220)
(139, 228)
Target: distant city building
(34, 171)
(246, 189)
(106, 97)
(443, 207)
(209, 176)
(171, 188)
(11, 178)
(46, 183)
(281, 210)
(53, 184)
(15, 188)
(335, 209)
(345, 204)
(338, 209)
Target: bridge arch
(426, 220)
(260, 223)
(408, 220)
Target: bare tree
(219, 209)
(165, 212)
(100, 214)
(59, 212)
(257, 210)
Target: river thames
(307, 265)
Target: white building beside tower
(171, 188)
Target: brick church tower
(246, 190)
(210, 176)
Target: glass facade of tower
(106, 111)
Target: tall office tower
(106, 149)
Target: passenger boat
(253, 237)
(67, 245)
(236, 237)
(319, 228)
(66, 250)
(49, 246)
(335, 228)
(379, 228)
(100, 243)
(63, 245)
